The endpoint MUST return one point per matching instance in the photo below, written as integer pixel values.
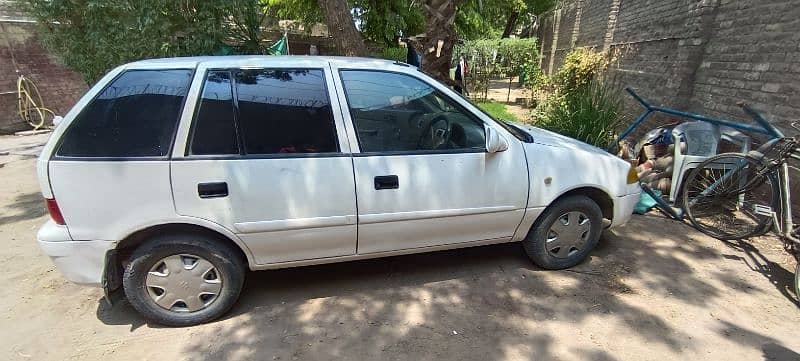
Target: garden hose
(29, 103)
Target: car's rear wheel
(565, 233)
(183, 280)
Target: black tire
(228, 266)
(541, 252)
(725, 213)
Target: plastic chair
(702, 142)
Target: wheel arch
(126, 246)
(599, 196)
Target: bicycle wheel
(726, 197)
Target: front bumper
(81, 262)
(623, 208)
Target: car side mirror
(494, 141)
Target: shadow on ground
(479, 303)
(24, 207)
(778, 276)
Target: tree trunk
(510, 23)
(342, 28)
(440, 36)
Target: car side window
(134, 116)
(285, 111)
(394, 112)
(215, 126)
(264, 111)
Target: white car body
(294, 211)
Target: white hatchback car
(171, 177)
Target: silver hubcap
(183, 283)
(568, 234)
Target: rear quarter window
(134, 116)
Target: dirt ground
(498, 91)
(652, 290)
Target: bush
(389, 53)
(591, 113)
(579, 69)
(573, 102)
(488, 58)
(92, 37)
(499, 56)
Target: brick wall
(697, 55)
(21, 53)
(594, 21)
(702, 56)
(753, 54)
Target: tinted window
(397, 112)
(285, 111)
(215, 126)
(135, 116)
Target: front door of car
(264, 158)
(423, 174)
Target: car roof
(264, 60)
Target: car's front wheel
(183, 280)
(565, 233)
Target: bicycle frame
(764, 127)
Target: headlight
(633, 177)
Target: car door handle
(212, 190)
(386, 182)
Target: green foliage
(497, 110)
(305, 11)
(573, 102)
(380, 20)
(92, 37)
(393, 53)
(500, 56)
(592, 114)
(486, 19)
(383, 20)
(488, 58)
(580, 67)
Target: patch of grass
(497, 110)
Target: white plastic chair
(702, 142)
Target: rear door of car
(265, 157)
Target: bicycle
(732, 196)
(748, 192)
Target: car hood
(548, 138)
(560, 163)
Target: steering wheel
(437, 133)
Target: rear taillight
(55, 213)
